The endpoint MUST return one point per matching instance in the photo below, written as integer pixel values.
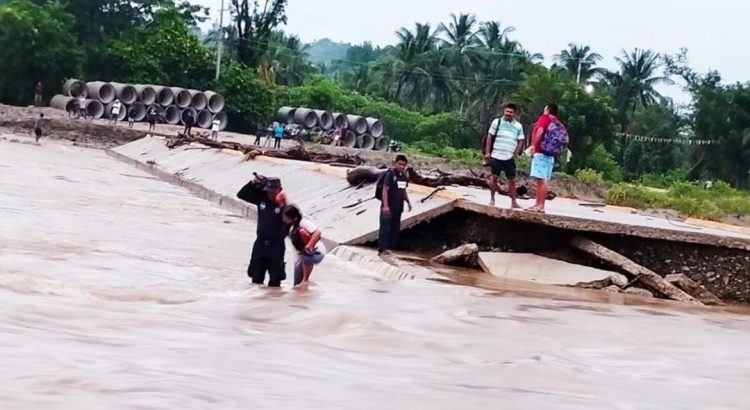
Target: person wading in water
(269, 246)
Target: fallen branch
(693, 288)
(647, 277)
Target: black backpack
(379, 185)
(484, 141)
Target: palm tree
(285, 61)
(639, 70)
(491, 37)
(579, 61)
(410, 64)
(460, 32)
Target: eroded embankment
(724, 271)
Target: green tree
(460, 32)
(635, 84)
(255, 26)
(659, 121)
(163, 51)
(493, 37)
(36, 44)
(590, 119)
(579, 61)
(249, 101)
(285, 61)
(409, 67)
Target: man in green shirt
(504, 144)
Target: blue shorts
(306, 259)
(542, 166)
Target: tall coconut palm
(410, 64)
(492, 36)
(640, 69)
(460, 32)
(579, 61)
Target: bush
(465, 156)
(452, 128)
(589, 176)
(604, 162)
(249, 101)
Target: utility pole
(220, 48)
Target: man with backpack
(549, 140)
(503, 144)
(391, 191)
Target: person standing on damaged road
(504, 143)
(269, 246)
(391, 190)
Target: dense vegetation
(436, 88)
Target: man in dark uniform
(395, 182)
(269, 247)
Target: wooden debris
(694, 289)
(647, 277)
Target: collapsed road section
(713, 258)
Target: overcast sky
(716, 33)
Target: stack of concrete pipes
(175, 102)
(360, 132)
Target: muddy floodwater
(118, 291)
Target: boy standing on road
(504, 144)
(395, 181)
(38, 123)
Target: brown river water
(118, 291)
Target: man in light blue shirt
(504, 144)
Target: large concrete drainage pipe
(95, 109)
(349, 140)
(182, 97)
(357, 124)
(223, 120)
(365, 141)
(215, 101)
(204, 119)
(198, 100)
(184, 113)
(75, 88)
(305, 117)
(140, 110)
(325, 119)
(63, 102)
(285, 115)
(374, 127)
(126, 93)
(99, 90)
(381, 143)
(108, 112)
(340, 120)
(172, 115)
(146, 94)
(164, 95)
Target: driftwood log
(646, 276)
(251, 151)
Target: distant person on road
(305, 238)
(152, 114)
(38, 126)
(215, 125)
(338, 135)
(278, 135)
(38, 91)
(189, 122)
(391, 190)
(131, 116)
(547, 130)
(269, 246)
(82, 107)
(503, 145)
(116, 107)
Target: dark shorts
(508, 167)
(38, 132)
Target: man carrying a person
(504, 143)
(269, 246)
(392, 196)
(542, 163)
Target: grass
(689, 199)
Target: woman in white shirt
(305, 237)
